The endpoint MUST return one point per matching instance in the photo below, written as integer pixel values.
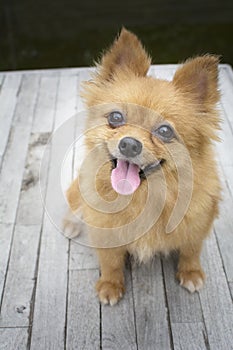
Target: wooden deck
(46, 281)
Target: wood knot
(20, 309)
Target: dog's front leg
(110, 286)
(190, 273)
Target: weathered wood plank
(84, 75)
(27, 100)
(51, 292)
(227, 174)
(77, 70)
(189, 336)
(83, 314)
(216, 300)
(82, 257)
(30, 210)
(20, 280)
(15, 155)
(8, 99)
(6, 231)
(2, 77)
(62, 139)
(48, 328)
(77, 123)
(226, 145)
(67, 99)
(79, 147)
(65, 124)
(44, 114)
(13, 338)
(224, 227)
(150, 308)
(162, 73)
(183, 306)
(228, 69)
(50, 71)
(231, 289)
(226, 88)
(118, 324)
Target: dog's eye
(116, 119)
(165, 133)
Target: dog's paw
(109, 292)
(193, 281)
(72, 225)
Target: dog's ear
(126, 54)
(198, 79)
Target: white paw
(191, 286)
(73, 224)
(109, 292)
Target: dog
(149, 183)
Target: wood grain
(47, 95)
(30, 208)
(189, 336)
(20, 280)
(83, 331)
(152, 317)
(183, 306)
(6, 231)
(118, 322)
(15, 154)
(49, 319)
(13, 338)
(224, 229)
(8, 99)
(216, 300)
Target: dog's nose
(130, 147)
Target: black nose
(130, 147)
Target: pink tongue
(125, 177)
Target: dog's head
(143, 125)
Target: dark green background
(48, 34)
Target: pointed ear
(126, 53)
(198, 79)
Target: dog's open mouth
(126, 177)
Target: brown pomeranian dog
(149, 181)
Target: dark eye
(165, 133)
(116, 119)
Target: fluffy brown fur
(188, 103)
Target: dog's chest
(145, 248)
